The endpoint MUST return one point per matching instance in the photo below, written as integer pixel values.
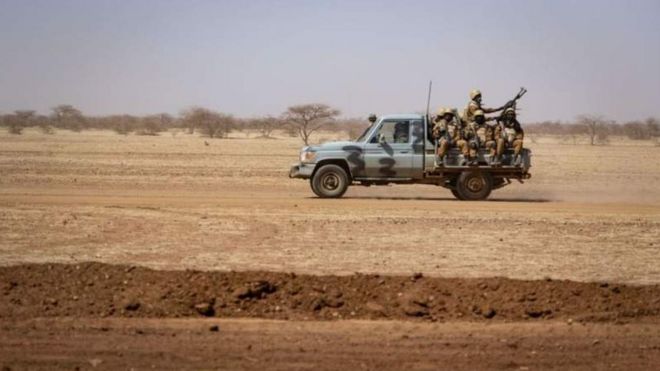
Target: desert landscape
(164, 250)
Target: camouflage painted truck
(376, 158)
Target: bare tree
(122, 124)
(43, 123)
(574, 131)
(637, 130)
(653, 127)
(19, 120)
(154, 124)
(68, 117)
(596, 128)
(308, 118)
(266, 125)
(210, 123)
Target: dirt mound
(100, 290)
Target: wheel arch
(334, 161)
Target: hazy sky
(258, 57)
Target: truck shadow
(396, 198)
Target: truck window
(393, 132)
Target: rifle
(512, 102)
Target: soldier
(400, 133)
(448, 132)
(475, 104)
(513, 134)
(495, 143)
(481, 134)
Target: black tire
(456, 194)
(474, 185)
(330, 181)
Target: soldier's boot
(439, 161)
(493, 157)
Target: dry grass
(171, 201)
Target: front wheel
(330, 181)
(474, 185)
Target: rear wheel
(474, 185)
(455, 193)
(330, 181)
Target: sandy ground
(588, 213)
(173, 202)
(350, 345)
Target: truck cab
(398, 149)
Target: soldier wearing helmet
(513, 134)
(448, 132)
(480, 134)
(475, 104)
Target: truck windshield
(364, 134)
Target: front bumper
(301, 171)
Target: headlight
(307, 157)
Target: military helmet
(509, 110)
(441, 111)
(478, 113)
(474, 93)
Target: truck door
(389, 152)
(418, 146)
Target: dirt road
(267, 229)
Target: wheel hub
(330, 182)
(475, 184)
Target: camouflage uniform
(494, 143)
(480, 134)
(448, 132)
(513, 133)
(475, 105)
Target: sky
(252, 58)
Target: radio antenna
(428, 99)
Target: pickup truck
(398, 149)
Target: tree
(68, 117)
(19, 120)
(308, 118)
(266, 125)
(123, 124)
(653, 127)
(210, 123)
(636, 130)
(154, 124)
(596, 128)
(43, 122)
